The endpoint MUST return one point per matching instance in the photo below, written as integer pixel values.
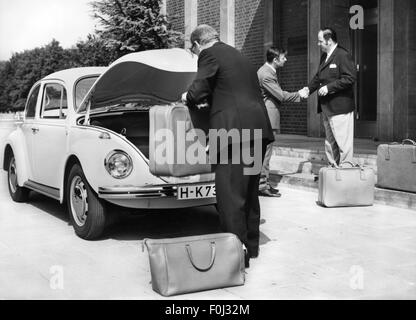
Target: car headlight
(118, 164)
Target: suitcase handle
(388, 150)
(338, 177)
(353, 165)
(409, 141)
(414, 149)
(189, 251)
(404, 142)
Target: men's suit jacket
(273, 95)
(339, 74)
(228, 81)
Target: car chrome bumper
(146, 192)
(152, 197)
(136, 192)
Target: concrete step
(295, 160)
(319, 154)
(296, 165)
(309, 182)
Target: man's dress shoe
(269, 193)
(273, 190)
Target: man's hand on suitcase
(202, 105)
(199, 106)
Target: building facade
(384, 51)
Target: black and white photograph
(220, 151)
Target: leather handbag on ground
(346, 186)
(396, 166)
(175, 121)
(192, 264)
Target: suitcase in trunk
(170, 152)
(396, 166)
(346, 186)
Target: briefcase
(349, 185)
(176, 149)
(396, 166)
(193, 264)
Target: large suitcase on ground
(192, 264)
(171, 154)
(347, 186)
(396, 166)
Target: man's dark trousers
(238, 202)
(228, 81)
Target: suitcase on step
(396, 166)
(175, 148)
(346, 186)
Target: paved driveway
(307, 252)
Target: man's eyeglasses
(193, 48)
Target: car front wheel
(18, 194)
(87, 212)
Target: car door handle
(35, 130)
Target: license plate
(196, 192)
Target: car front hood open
(153, 77)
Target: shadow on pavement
(166, 224)
(162, 224)
(50, 206)
(134, 225)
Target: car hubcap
(79, 201)
(13, 176)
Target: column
(401, 70)
(227, 21)
(191, 19)
(393, 104)
(314, 55)
(271, 32)
(163, 9)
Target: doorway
(365, 51)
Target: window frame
(75, 106)
(41, 109)
(35, 87)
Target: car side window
(31, 103)
(54, 102)
(82, 88)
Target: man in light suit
(273, 96)
(334, 81)
(228, 82)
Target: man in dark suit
(334, 81)
(228, 82)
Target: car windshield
(81, 89)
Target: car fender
(17, 142)
(91, 151)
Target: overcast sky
(26, 24)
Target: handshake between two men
(305, 92)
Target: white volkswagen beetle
(85, 139)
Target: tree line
(126, 26)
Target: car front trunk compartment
(134, 125)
